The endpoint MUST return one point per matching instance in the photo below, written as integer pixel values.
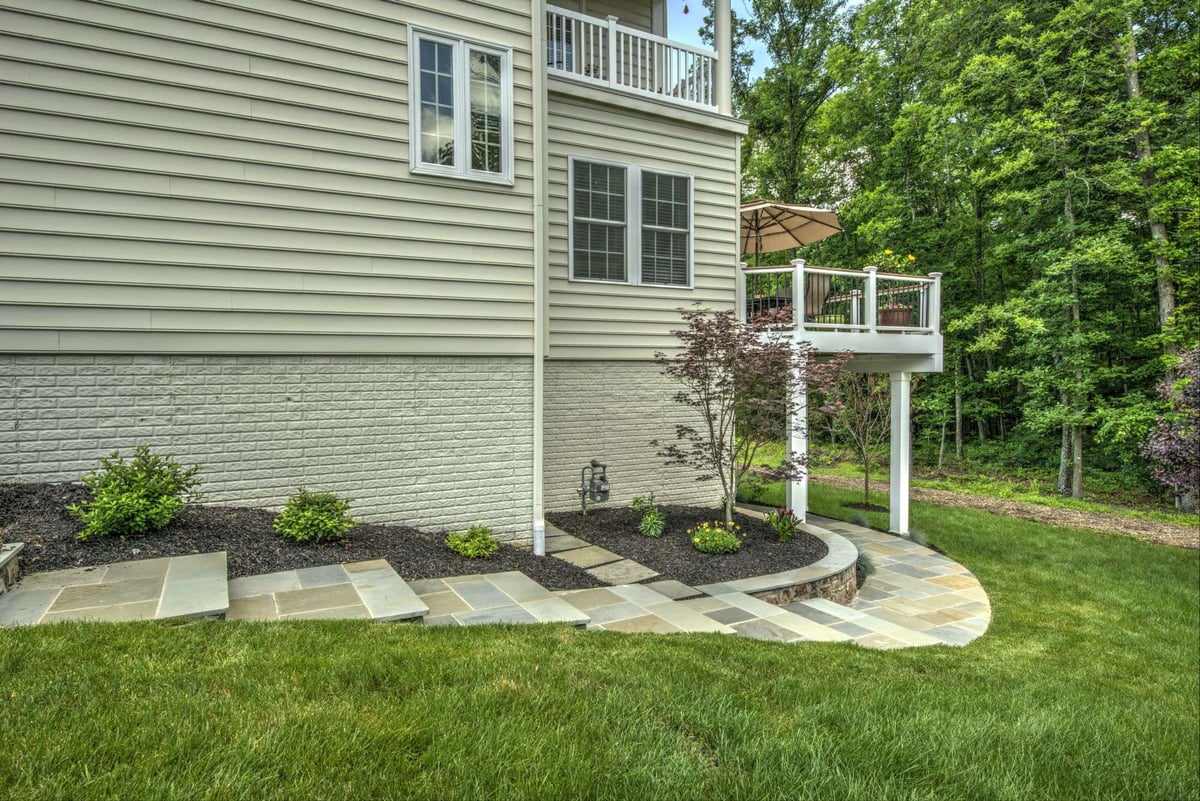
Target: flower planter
(901, 317)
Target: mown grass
(1086, 686)
(1106, 493)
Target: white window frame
(462, 107)
(633, 224)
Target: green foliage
(860, 519)
(863, 564)
(716, 537)
(653, 520)
(476, 542)
(143, 495)
(917, 536)
(784, 523)
(314, 517)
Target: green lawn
(1087, 686)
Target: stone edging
(832, 577)
(10, 564)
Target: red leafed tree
(1174, 444)
(741, 378)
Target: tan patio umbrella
(768, 226)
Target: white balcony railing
(599, 51)
(814, 300)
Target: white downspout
(540, 246)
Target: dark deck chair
(817, 288)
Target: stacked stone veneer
(610, 411)
(426, 441)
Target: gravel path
(1148, 530)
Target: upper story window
(630, 225)
(460, 107)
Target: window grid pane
(599, 225)
(437, 102)
(666, 224)
(486, 115)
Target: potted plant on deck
(895, 314)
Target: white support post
(935, 303)
(612, 52)
(798, 294)
(871, 299)
(723, 44)
(797, 489)
(901, 456)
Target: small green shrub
(476, 542)
(652, 523)
(716, 537)
(314, 517)
(143, 495)
(653, 520)
(863, 564)
(784, 522)
(860, 519)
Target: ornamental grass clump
(784, 523)
(476, 542)
(314, 517)
(716, 537)
(653, 520)
(144, 495)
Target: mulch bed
(673, 555)
(35, 514)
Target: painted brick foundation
(611, 410)
(432, 442)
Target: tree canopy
(1044, 157)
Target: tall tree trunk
(1064, 456)
(1165, 283)
(958, 410)
(1076, 395)
(942, 447)
(1077, 461)
(866, 476)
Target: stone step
(498, 598)
(865, 629)
(368, 590)
(192, 586)
(639, 608)
(755, 618)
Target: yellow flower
(911, 257)
(887, 252)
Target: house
(417, 254)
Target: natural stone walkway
(149, 589)
(603, 565)
(915, 597)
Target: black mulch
(673, 555)
(35, 514)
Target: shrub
(143, 495)
(476, 542)
(716, 537)
(314, 517)
(652, 523)
(784, 522)
(653, 520)
(917, 536)
(863, 565)
(860, 519)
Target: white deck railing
(599, 51)
(844, 301)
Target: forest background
(1044, 157)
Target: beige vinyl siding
(182, 176)
(593, 320)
